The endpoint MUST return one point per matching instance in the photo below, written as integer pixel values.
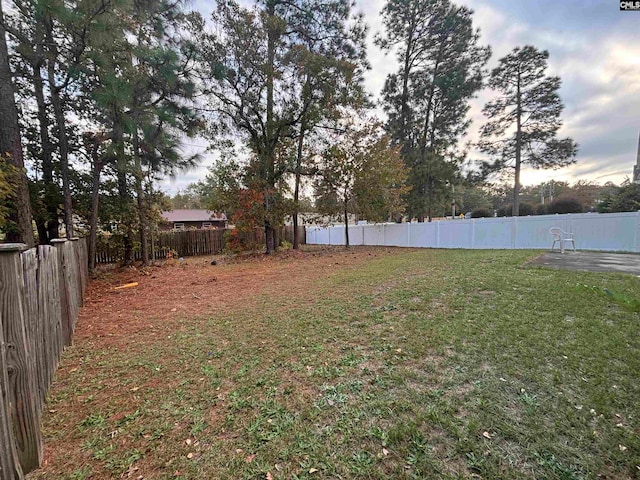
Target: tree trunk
(123, 189)
(50, 189)
(19, 219)
(41, 227)
(152, 226)
(123, 193)
(142, 215)
(270, 239)
(425, 133)
(346, 224)
(93, 222)
(430, 199)
(516, 187)
(406, 72)
(296, 190)
(58, 113)
(269, 153)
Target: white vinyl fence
(615, 232)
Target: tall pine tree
(529, 106)
(427, 100)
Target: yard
(371, 363)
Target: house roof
(192, 215)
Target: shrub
(565, 205)
(481, 213)
(504, 211)
(284, 245)
(542, 209)
(241, 240)
(525, 210)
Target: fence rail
(41, 292)
(188, 243)
(615, 232)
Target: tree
(188, 198)
(427, 100)
(625, 198)
(587, 193)
(162, 88)
(529, 105)
(274, 64)
(99, 157)
(19, 228)
(361, 174)
(220, 187)
(474, 198)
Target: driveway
(591, 261)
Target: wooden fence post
(9, 462)
(75, 282)
(65, 296)
(50, 313)
(32, 320)
(21, 393)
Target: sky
(594, 48)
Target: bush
(565, 205)
(525, 210)
(284, 245)
(504, 211)
(542, 209)
(241, 240)
(481, 213)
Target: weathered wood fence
(41, 291)
(189, 243)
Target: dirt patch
(194, 287)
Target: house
(192, 218)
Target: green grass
(417, 364)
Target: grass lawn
(374, 363)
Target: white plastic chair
(562, 237)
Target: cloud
(593, 49)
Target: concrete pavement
(590, 261)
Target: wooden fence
(188, 243)
(41, 291)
